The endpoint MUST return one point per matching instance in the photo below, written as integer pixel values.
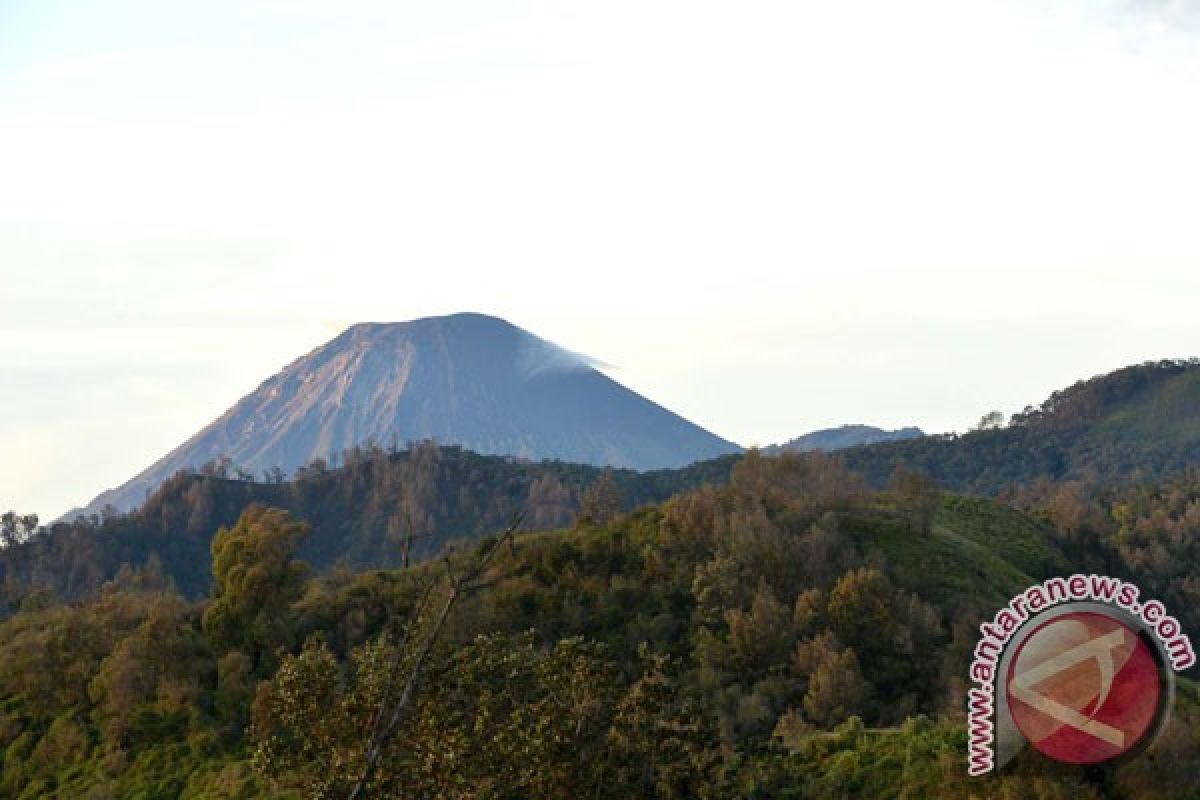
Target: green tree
(660, 744)
(918, 495)
(860, 608)
(501, 717)
(256, 579)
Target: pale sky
(770, 217)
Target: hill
(1139, 424)
(1134, 426)
(789, 634)
(360, 513)
(754, 627)
(467, 379)
(843, 437)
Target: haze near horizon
(769, 218)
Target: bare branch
(414, 619)
(460, 585)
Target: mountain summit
(465, 379)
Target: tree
(308, 722)
(762, 637)
(17, 528)
(918, 495)
(336, 733)
(660, 744)
(993, 420)
(601, 502)
(218, 467)
(860, 609)
(418, 498)
(402, 529)
(836, 689)
(257, 577)
(157, 668)
(550, 503)
(501, 716)
(814, 481)
(808, 613)
(406, 678)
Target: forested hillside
(1135, 425)
(791, 634)
(749, 627)
(361, 513)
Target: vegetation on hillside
(374, 509)
(1136, 425)
(790, 634)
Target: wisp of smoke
(539, 357)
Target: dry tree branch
(459, 585)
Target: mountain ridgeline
(787, 634)
(466, 379)
(361, 513)
(755, 626)
(1137, 425)
(842, 438)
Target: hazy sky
(768, 216)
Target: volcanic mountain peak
(466, 379)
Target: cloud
(540, 357)
(1160, 15)
(1163, 32)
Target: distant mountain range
(842, 438)
(467, 379)
(481, 383)
(1138, 425)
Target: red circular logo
(1084, 687)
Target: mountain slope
(842, 437)
(1135, 425)
(748, 592)
(465, 379)
(359, 513)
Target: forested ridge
(749, 627)
(361, 510)
(792, 633)
(1138, 424)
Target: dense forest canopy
(362, 512)
(792, 633)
